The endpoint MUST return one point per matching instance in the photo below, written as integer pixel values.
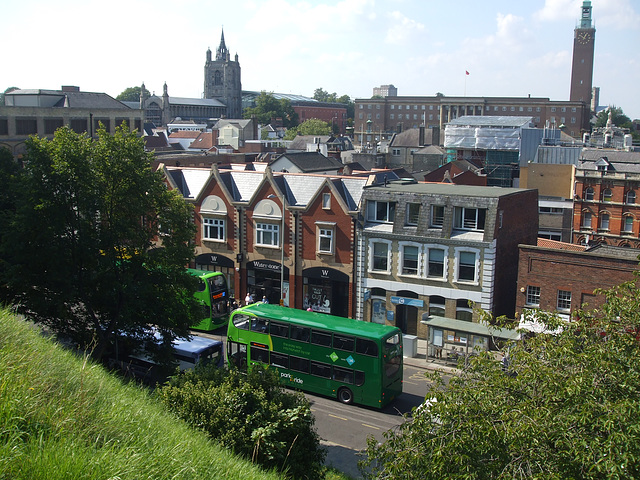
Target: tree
(566, 405)
(9, 171)
(132, 94)
(80, 242)
(313, 126)
(250, 414)
(269, 108)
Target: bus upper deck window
(301, 334)
(366, 347)
(343, 342)
(242, 322)
(201, 285)
(278, 329)
(259, 325)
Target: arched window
(588, 193)
(607, 195)
(217, 77)
(463, 311)
(630, 197)
(436, 305)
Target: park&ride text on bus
(353, 361)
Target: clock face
(584, 37)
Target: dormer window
(602, 165)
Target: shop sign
(412, 302)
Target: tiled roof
(310, 162)
(184, 134)
(546, 243)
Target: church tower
(222, 80)
(583, 50)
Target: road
(344, 428)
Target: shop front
(264, 278)
(325, 290)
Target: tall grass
(64, 417)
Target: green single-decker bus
(351, 360)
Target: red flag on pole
(466, 72)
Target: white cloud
(402, 29)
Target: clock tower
(583, 50)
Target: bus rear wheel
(345, 396)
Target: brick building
(606, 208)
(560, 277)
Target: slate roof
(411, 138)
(75, 99)
(309, 162)
(301, 141)
(204, 141)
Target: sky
(510, 48)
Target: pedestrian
(247, 299)
(309, 309)
(264, 299)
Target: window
(604, 221)
(467, 267)
(325, 240)
(564, 300)
(533, 296)
(607, 195)
(410, 255)
(437, 216)
(268, 234)
(212, 228)
(413, 212)
(469, 218)
(630, 197)
(301, 334)
(278, 329)
(259, 354)
(326, 201)
(553, 109)
(380, 256)
(51, 125)
(463, 311)
(366, 347)
(343, 342)
(320, 369)
(320, 338)
(299, 364)
(436, 305)
(588, 194)
(26, 126)
(392, 116)
(259, 325)
(628, 224)
(586, 220)
(381, 211)
(279, 360)
(435, 263)
(395, 152)
(342, 375)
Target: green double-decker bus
(213, 295)
(353, 361)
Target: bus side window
(279, 360)
(299, 364)
(278, 329)
(359, 378)
(320, 338)
(320, 369)
(342, 342)
(259, 324)
(366, 347)
(201, 285)
(301, 334)
(342, 375)
(242, 322)
(259, 354)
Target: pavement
(421, 360)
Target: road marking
(335, 416)
(410, 383)
(370, 426)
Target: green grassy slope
(63, 417)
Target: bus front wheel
(345, 396)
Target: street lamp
(281, 248)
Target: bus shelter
(449, 338)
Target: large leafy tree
(313, 126)
(131, 94)
(618, 117)
(9, 171)
(82, 261)
(566, 405)
(268, 108)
